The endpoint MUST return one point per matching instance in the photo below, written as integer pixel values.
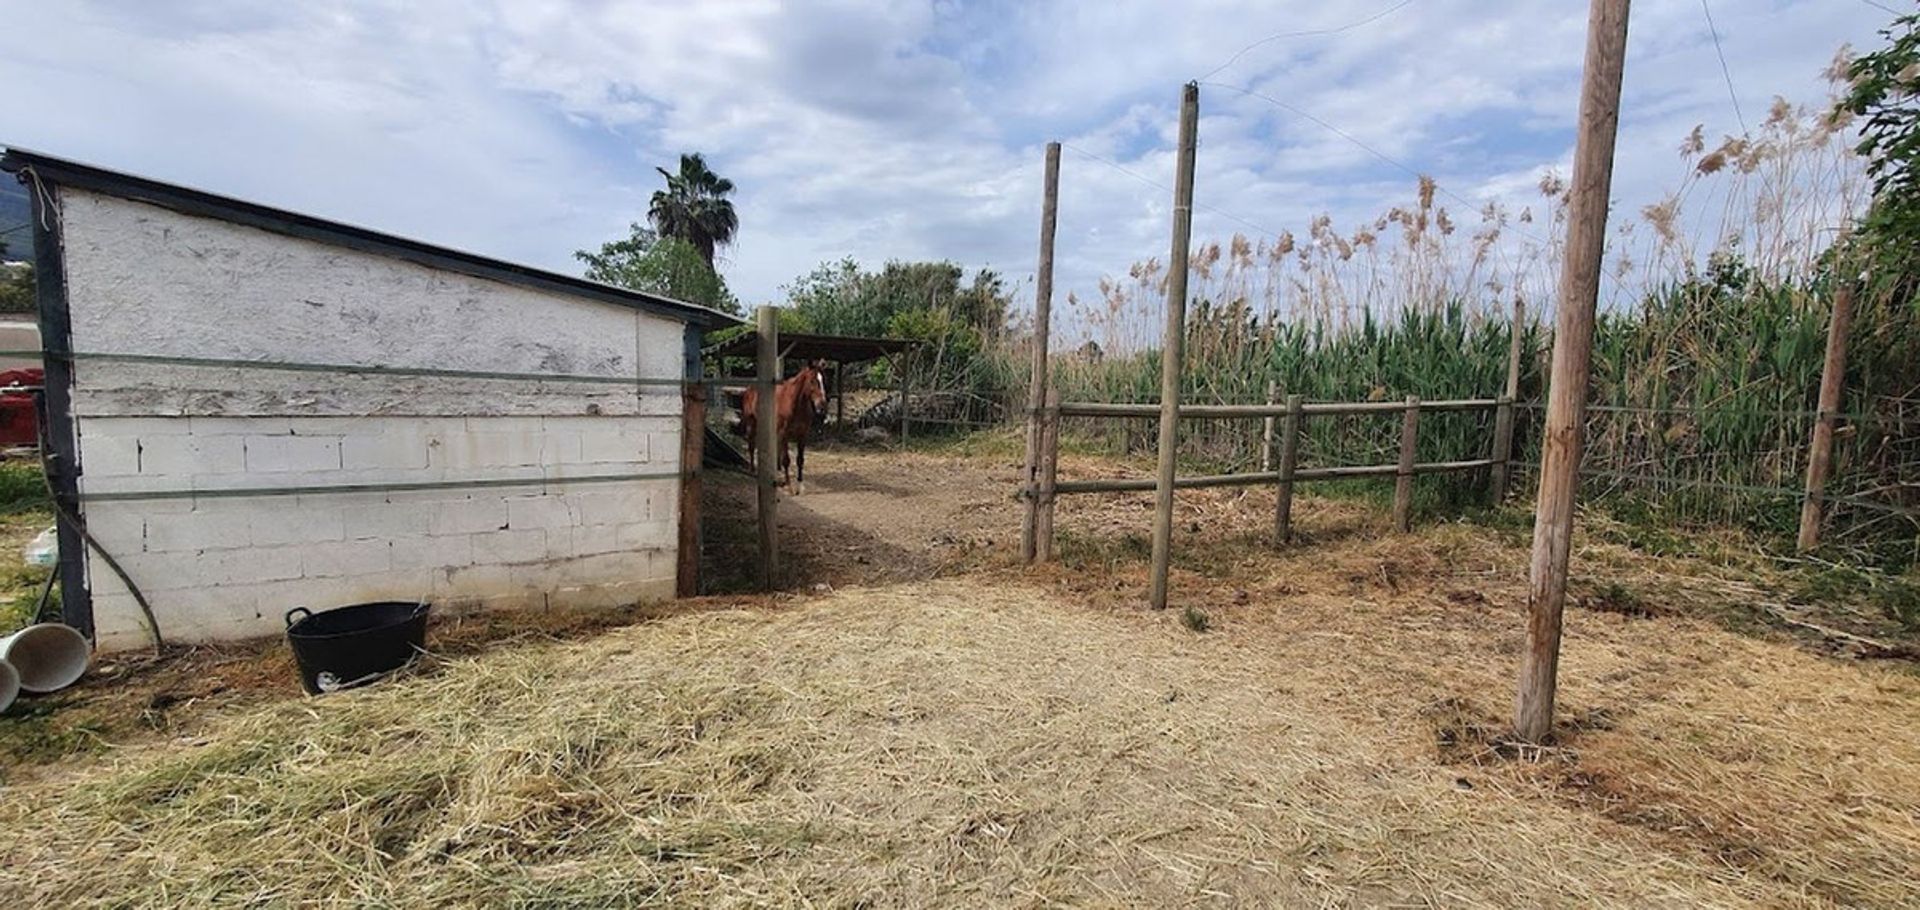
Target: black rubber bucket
(353, 646)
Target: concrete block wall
(542, 532)
(220, 567)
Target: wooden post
(1833, 378)
(1503, 412)
(1172, 345)
(1403, 479)
(693, 438)
(1289, 460)
(1049, 474)
(839, 394)
(1572, 358)
(1042, 323)
(767, 449)
(906, 409)
(1267, 427)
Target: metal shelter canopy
(836, 348)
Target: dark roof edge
(307, 227)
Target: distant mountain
(15, 211)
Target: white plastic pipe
(48, 657)
(9, 685)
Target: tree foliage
(1885, 92)
(960, 322)
(694, 207)
(17, 289)
(668, 266)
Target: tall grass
(1707, 355)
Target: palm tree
(694, 207)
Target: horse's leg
(786, 463)
(800, 466)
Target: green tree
(840, 298)
(668, 266)
(694, 207)
(1885, 92)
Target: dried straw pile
(955, 744)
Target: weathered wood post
(766, 448)
(1289, 460)
(1503, 412)
(1572, 358)
(693, 438)
(1042, 323)
(906, 409)
(1173, 344)
(1049, 475)
(1267, 427)
(839, 394)
(1403, 476)
(1833, 376)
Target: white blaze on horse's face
(819, 392)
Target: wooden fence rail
(1239, 411)
(1042, 488)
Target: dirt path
(868, 518)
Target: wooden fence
(1285, 424)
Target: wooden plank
(767, 456)
(1049, 477)
(1403, 483)
(1173, 344)
(1037, 383)
(1572, 358)
(1833, 377)
(1289, 461)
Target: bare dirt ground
(944, 728)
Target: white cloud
(897, 129)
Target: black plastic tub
(352, 646)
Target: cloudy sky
(528, 129)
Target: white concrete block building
(253, 410)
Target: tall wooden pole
(1572, 356)
(1173, 344)
(1832, 382)
(1042, 319)
(1503, 414)
(767, 454)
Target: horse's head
(814, 386)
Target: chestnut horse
(797, 404)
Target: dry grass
(1021, 739)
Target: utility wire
(1882, 7)
(1307, 34)
(1724, 71)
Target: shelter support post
(766, 446)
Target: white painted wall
(146, 280)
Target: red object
(17, 422)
